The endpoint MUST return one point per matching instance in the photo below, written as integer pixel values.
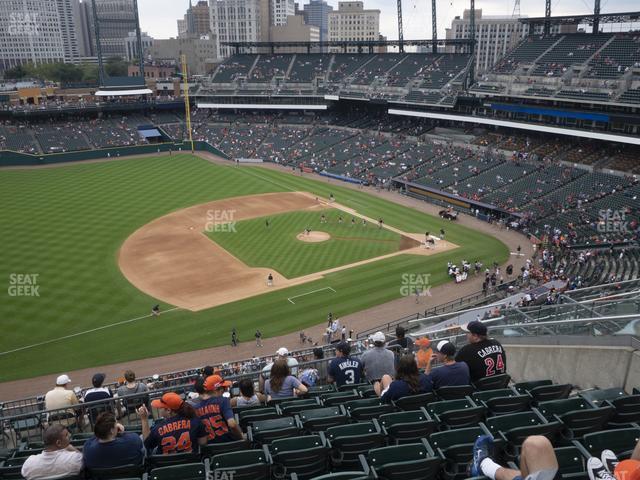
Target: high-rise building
(37, 31)
(236, 21)
(114, 33)
(316, 12)
(352, 22)
(196, 21)
(132, 45)
(280, 10)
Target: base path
(173, 260)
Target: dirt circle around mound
(313, 237)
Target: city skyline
(158, 17)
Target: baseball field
(88, 249)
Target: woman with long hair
(408, 381)
(180, 430)
(281, 383)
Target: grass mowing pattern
(67, 224)
(278, 248)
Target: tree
(116, 67)
(16, 73)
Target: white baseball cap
(379, 337)
(63, 380)
(283, 352)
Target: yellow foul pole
(187, 106)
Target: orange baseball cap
(627, 470)
(214, 382)
(170, 401)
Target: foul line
(309, 293)
(85, 332)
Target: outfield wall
(16, 159)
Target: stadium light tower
(434, 27)
(400, 32)
(596, 17)
(547, 17)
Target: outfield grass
(67, 224)
(278, 248)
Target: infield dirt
(171, 258)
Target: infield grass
(277, 246)
(67, 224)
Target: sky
(158, 17)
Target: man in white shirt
(60, 397)
(59, 458)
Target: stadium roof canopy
(123, 93)
(623, 17)
(346, 43)
(123, 86)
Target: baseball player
(270, 280)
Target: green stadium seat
(415, 402)
(277, 401)
(190, 471)
(524, 387)
(577, 415)
(338, 476)
(294, 406)
(456, 413)
(492, 383)
(571, 462)
(353, 386)
(10, 468)
(265, 431)
(349, 441)
(245, 417)
(484, 395)
(516, 427)
(544, 393)
(24, 453)
(407, 426)
(306, 456)
(338, 398)
(319, 419)
(367, 408)
(211, 449)
(318, 390)
(413, 461)
(457, 392)
(456, 448)
(157, 461)
(599, 396)
(502, 401)
(627, 411)
(366, 391)
(621, 441)
(116, 473)
(244, 465)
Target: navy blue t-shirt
(175, 435)
(345, 370)
(125, 449)
(449, 375)
(214, 413)
(399, 388)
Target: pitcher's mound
(313, 237)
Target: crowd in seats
(268, 67)
(344, 65)
(19, 138)
(630, 96)
(232, 68)
(615, 59)
(60, 138)
(376, 68)
(526, 52)
(306, 68)
(571, 50)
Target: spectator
(58, 459)
(451, 372)
(281, 383)
(424, 353)
(408, 381)
(248, 396)
(343, 369)
(484, 356)
(402, 341)
(95, 394)
(378, 361)
(266, 371)
(132, 387)
(180, 430)
(215, 411)
(112, 446)
(609, 467)
(59, 398)
(320, 364)
(537, 460)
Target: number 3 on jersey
(493, 366)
